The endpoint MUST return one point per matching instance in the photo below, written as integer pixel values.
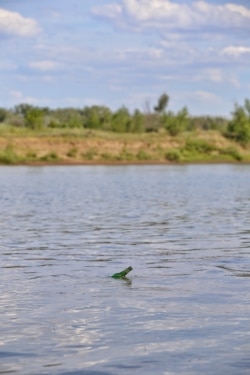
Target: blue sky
(74, 53)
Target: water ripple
(183, 310)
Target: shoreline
(100, 148)
(120, 163)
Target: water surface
(184, 309)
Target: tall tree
(162, 103)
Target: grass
(89, 154)
(50, 157)
(20, 145)
(173, 155)
(9, 156)
(72, 153)
(143, 155)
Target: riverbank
(81, 146)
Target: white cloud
(217, 76)
(166, 14)
(205, 96)
(44, 65)
(235, 51)
(14, 24)
(18, 96)
(110, 10)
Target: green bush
(143, 155)
(34, 118)
(106, 156)
(232, 153)
(173, 155)
(72, 152)
(200, 146)
(175, 124)
(50, 157)
(125, 155)
(31, 155)
(3, 114)
(9, 156)
(239, 127)
(89, 154)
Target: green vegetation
(72, 152)
(9, 156)
(239, 127)
(50, 157)
(31, 134)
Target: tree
(34, 118)
(121, 120)
(3, 114)
(162, 103)
(138, 122)
(176, 123)
(22, 108)
(239, 127)
(97, 117)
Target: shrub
(89, 154)
(51, 156)
(173, 155)
(232, 152)
(9, 156)
(143, 155)
(125, 155)
(3, 114)
(31, 155)
(107, 156)
(239, 127)
(200, 146)
(72, 152)
(34, 118)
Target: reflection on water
(184, 309)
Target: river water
(185, 307)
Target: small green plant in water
(122, 274)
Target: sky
(77, 53)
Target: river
(185, 307)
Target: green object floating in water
(122, 274)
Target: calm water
(185, 308)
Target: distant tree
(105, 117)
(162, 103)
(91, 117)
(147, 107)
(34, 118)
(97, 117)
(247, 107)
(66, 118)
(121, 120)
(239, 127)
(138, 122)
(176, 123)
(22, 108)
(3, 114)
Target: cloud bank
(12, 23)
(166, 14)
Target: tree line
(123, 121)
